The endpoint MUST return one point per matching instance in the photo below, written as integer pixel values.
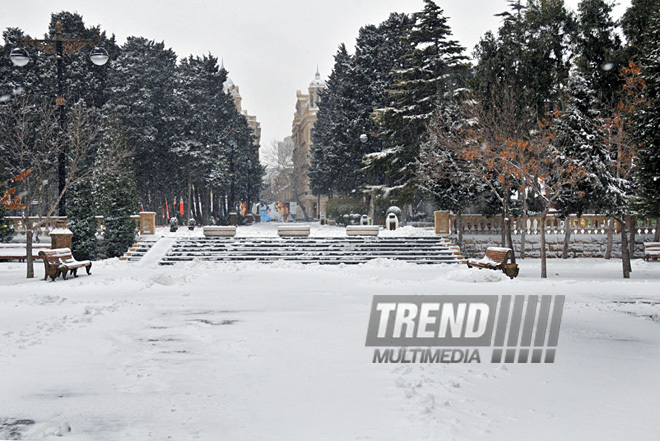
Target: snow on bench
(496, 258)
(19, 252)
(651, 250)
(60, 261)
(293, 230)
(220, 231)
(362, 230)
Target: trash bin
(392, 222)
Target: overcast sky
(270, 47)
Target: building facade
(301, 134)
(233, 89)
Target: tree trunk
(28, 250)
(503, 228)
(544, 268)
(656, 236)
(610, 238)
(523, 232)
(507, 227)
(459, 228)
(188, 202)
(372, 206)
(567, 237)
(632, 226)
(625, 257)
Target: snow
(246, 351)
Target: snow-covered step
(138, 250)
(334, 250)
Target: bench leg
(74, 272)
(88, 269)
(64, 273)
(54, 275)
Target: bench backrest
(499, 255)
(57, 255)
(652, 245)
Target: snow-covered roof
(318, 82)
(227, 84)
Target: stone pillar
(60, 236)
(442, 223)
(147, 223)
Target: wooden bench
(220, 231)
(651, 250)
(293, 230)
(60, 261)
(496, 259)
(362, 230)
(19, 252)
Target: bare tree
(30, 142)
(278, 157)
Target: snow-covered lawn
(207, 351)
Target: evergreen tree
(6, 227)
(530, 54)
(635, 23)
(579, 135)
(434, 65)
(329, 138)
(142, 88)
(647, 123)
(357, 85)
(81, 221)
(598, 49)
(117, 195)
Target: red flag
(181, 209)
(167, 208)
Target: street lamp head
(99, 56)
(363, 138)
(19, 57)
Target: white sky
(270, 47)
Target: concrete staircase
(138, 250)
(330, 250)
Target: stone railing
(19, 223)
(586, 224)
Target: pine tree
(6, 227)
(635, 23)
(579, 135)
(81, 220)
(433, 66)
(329, 136)
(530, 53)
(647, 123)
(598, 48)
(117, 195)
(142, 87)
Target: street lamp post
(59, 47)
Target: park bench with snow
(496, 259)
(651, 250)
(60, 261)
(18, 251)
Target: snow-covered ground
(213, 351)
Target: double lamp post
(60, 46)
